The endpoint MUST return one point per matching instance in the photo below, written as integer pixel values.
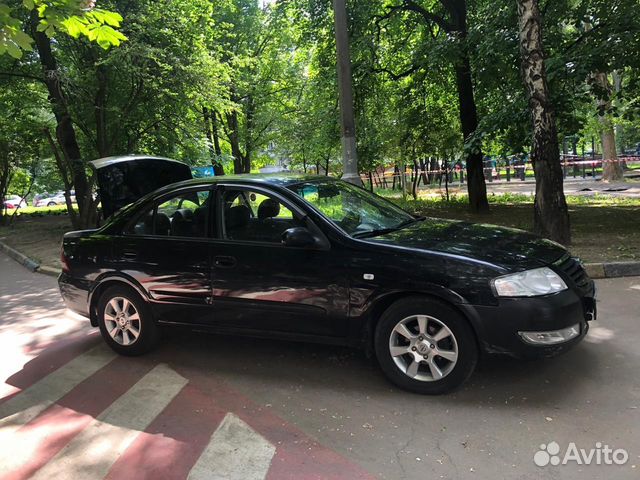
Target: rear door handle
(225, 262)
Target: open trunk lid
(123, 180)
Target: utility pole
(347, 120)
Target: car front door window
(256, 217)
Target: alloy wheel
(423, 348)
(122, 321)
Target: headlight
(530, 283)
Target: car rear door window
(183, 215)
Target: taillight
(64, 261)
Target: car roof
(276, 179)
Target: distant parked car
(39, 196)
(14, 201)
(57, 199)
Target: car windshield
(357, 211)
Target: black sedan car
(317, 259)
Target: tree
(451, 20)
(21, 141)
(345, 94)
(611, 167)
(78, 19)
(551, 215)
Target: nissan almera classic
(316, 259)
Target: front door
(262, 285)
(167, 251)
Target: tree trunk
(64, 173)
(5, 168)
(551, 216)
(100, 100)
(476, 186)
(617, 87)
(304, 160)
(211, 133)
(216, 134)
(611, 168)
(234, 140)
(248, 143)
(347, 118)
(208, 132)
(415, 178)
(65, 131)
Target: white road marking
(91, 453)
(26, 405)
(235, 452)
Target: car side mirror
(298, 237)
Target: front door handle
(225, 262)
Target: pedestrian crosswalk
(102, 416)
(100, 444)
(235, 452)
(22, 408)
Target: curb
(594, 270)
(612, 269)
(27, 262)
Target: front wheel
(126, 322)
(51, 204)
(425, 346)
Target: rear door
(259, 283)
(166, 249)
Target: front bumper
(499, 326)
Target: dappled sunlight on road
(32, 317)
(599, 335)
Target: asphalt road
(572, 186)
(207, 406)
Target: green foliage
(266, 71)
(77, 18)
(13, 40)
(20, 182)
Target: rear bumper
(75, 294)
(499, 326)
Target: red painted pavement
(51, 357)
(174, 441)
(50, 431)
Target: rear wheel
(51, 204)
(425, 346)
(125, 321)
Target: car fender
(111, 278)
(367, 316)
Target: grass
(604, 228)
(39, 211)
(37, 237)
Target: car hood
(506, 248)
(123, 180)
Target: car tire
(425, 346)
(126, 322)
(51, 204)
